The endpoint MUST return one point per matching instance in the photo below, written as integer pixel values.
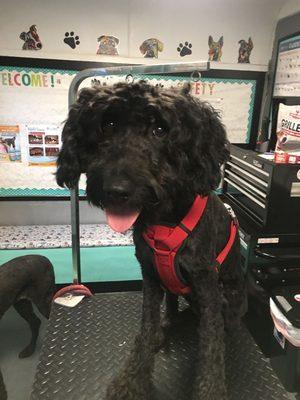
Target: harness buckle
(217, 266)
(232, 214)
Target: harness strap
(233, 230)
(166, 241)
(171, 238)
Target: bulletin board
(287, 78)
(33, 102)
(34, 106)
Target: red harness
(167, 241)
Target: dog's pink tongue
(121, 222)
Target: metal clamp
(129, 78)
(195, 76)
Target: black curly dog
(147, 152)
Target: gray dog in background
(24, 281)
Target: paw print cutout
(71, 40)
(97, 82)
(184, 49)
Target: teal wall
(98, 264)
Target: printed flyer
(10, 148)
(43, 144)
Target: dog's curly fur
(153, 150)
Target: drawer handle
(250, 165)
(251, 187)
(245, 193)
(260, 181)
(270, 256)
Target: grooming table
(86, 345)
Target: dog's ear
(210, 40)
(116, 40)
(143, 46)
(250, 43)
(100, 38)
(160, 45)
(186, 88)
(221, 41)
(209, 146)
(70, 162)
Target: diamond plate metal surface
(85, 346)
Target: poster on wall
(287, 78)
(10, 147)
(43, 144)
(232, 98)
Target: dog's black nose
(117, 192)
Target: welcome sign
(29, 79)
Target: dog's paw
(209, 390)
(27, 352)
(159, 339)
(122, 389)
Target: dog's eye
(159, 131)
(109, 126)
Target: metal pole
(75, 235)
(75, 222)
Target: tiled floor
(18, 374)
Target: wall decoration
(43, 144)
(287, 78)
(245, 50)
(108, 45)
(151, 47)
(31, 39)
(215, 49)
(184, 49)
(10, 150)
(71, 40)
